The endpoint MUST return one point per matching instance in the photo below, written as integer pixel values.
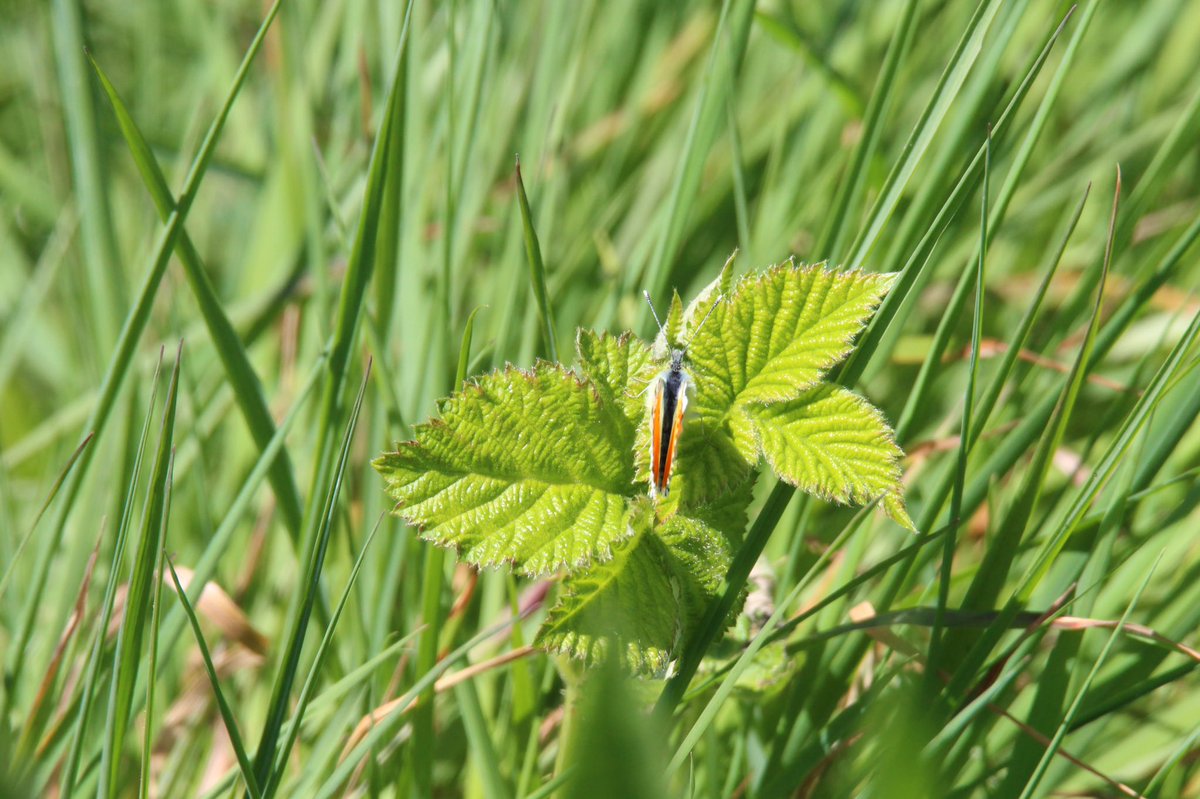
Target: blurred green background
(359, 202)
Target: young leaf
(642, 604)
(832, 443)
(619, 367)
(525, 468)
(779, 332)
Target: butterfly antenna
(650, 302)
(711, 308)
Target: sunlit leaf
(777, 333)
(526, 468)
(673, 568)
(830, 442)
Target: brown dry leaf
(224, 614)
(215, 605)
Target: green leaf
(778, 333)
(619, 367)
(645, 602)
(832, 443)
(525, 468)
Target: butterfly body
(666, 403)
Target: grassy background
(356, 201)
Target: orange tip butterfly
(665, 404)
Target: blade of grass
(850, 190)
(227, 717)
(1065, 725)
(308, 589)
(155, 624)
(18, 326)
(94, 665)
(350, 308)
(480, 739)
(387, 727)
(854, 366)
(247, 388)
(134, 325)
(931, 119)
(999, 557)
(919, 393)
(128, 654)
(314, 672)
(62, 476)
(104, 277)
(537, 270)
(950, 542)
(724, 58)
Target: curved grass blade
(247, 388)
(537, 271)
(128, 654)
(314, 671)
(231, 727)
(131, 331)
(1073, 709)
(62, 476)
(309, 588)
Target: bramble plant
(546, 470)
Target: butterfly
(666, 401)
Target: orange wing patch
(676, 428)
(655, 437)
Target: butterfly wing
(655, 412)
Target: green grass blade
(537, 270)
(227, 717)
(293, 726)
(724, 58)
(359, 269)
(128, 654)
(387, 727)
(915, 265)
(950, 542)
(999, 558)
(247, 388)
(155, 626)
(1065, 725)
(104, 277)
(62, 476)
(94, 666)
(853, 184)
(935, 112)
(308, 589)
(131, 331)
